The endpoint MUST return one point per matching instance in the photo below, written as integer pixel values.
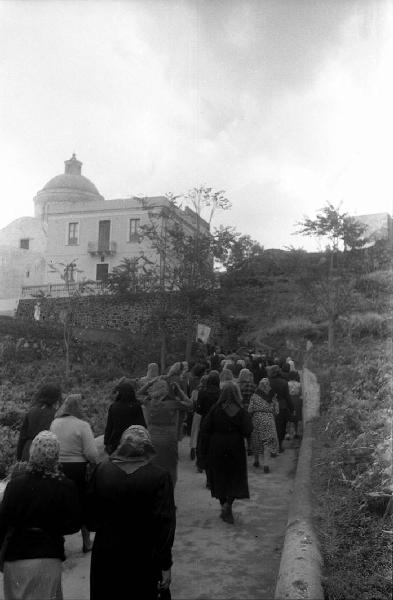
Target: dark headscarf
(213, 379)
(230, 395)
(48, 394)
(274, 371)
(293, 376)
(125, 392)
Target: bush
(8, 441)
(352, 460)
(376, 282)
(366, 324)
(294, 326)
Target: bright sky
(285, 104)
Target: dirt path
(214, 560)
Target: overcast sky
(285, 104)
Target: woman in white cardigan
(77, 448)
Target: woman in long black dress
(223, 432)
(125, 411)
(38, 418)
(206, 399)
(131, 507)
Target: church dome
(71, 182)
(71, 186)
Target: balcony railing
(95, 248)
(61, 290)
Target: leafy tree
(185, 254)
(341, 230)
(234, 250)
(332, 281)
(133, 275)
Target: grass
(352, 457)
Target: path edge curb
(300, 572)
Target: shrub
(293, 326)
(366, 324)
(352, 461)
(376, 282)
(8, 441)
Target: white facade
(95, 233)
(73, 223)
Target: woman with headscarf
(153, 371)
(38, 418)
(133, 513)
(247, 387)
(279, 388)
(77, 449)
(166, 408)
(124, 411)
(295, 392)
(196, 418)
(39, 507)
(226, 375)
(176, 376)
(224, 429)
(264, 435)
(207, 398)
(239, 365)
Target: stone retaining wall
(139, 314)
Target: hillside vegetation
(267, 303)
(352, 469)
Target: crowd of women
(229, 406)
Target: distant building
(74, 223)
(379, 226)
(96, 233)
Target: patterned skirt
(33, 579)
(264, 434)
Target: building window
(73, 234)
(133, 233)
(104, 235)
(102, 272)
(24, 243)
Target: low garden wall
(139, 315)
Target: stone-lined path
(214, 560)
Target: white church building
(74, 223)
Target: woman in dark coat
(279, 387)
(125, 411)
(223, 431)
(40, 506)
(133, 513)
(38, 418)
(166, 408)
(206, 399)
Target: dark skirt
(298, 406)
(114, 574)
(227, 466)
(164, 439)
(76, 471)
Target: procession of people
(231, 407)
